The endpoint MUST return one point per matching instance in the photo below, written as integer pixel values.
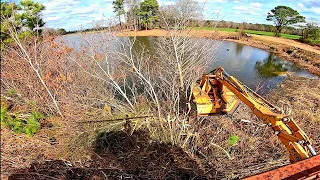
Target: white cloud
(240, 8)
(86, 10)
(315, 10)
(58, 4)
(52, 18)
(201, 1)
(212, 1)
(169, 3)
(256, 5)
(301, 6)
(220, 1)
(70, 14)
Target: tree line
(139, 15)
(146, 15)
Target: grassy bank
(264, 33)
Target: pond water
(256, 68)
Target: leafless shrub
(117, 76)
(25, 67)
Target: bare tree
(158, 81)
(27, 51)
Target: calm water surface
(253, 66)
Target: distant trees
(186, 12)
(61, 31)
(53, 32)
(283, 16)
(132, 17)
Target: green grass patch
(28, 126)
(228, 29)
(12, 92)
(264, 33)
(311, 41)
(233, 139)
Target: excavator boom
(219, 92)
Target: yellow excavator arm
(219, 93)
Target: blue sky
(77, 14)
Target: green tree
(118, 6)
(8, 11)
(31, 14)
(283, 16)
(61, 31)
(22, 18)
(149, 12)
(311, 30)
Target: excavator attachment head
(211, 97)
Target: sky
(82, 14)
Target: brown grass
(303, 96)
(257, 150)
(19, 150)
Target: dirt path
(289, 42)
(303, 55)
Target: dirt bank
(305, 56)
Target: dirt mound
(118, 155)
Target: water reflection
(250, 65)
(271, 67)
(239, 48)
(142, 42)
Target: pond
(256, 68)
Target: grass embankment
(264, 33)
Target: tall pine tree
(118, 6)
(149, 13)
